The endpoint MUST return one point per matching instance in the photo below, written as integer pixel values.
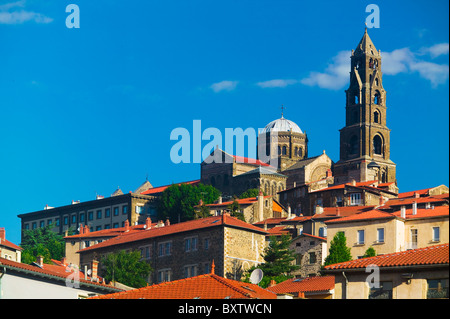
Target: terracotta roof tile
(213, 221)
(208, 286)
(365, 215)
(161, 189)
(425, 213)
(304, 285)
(432, 255)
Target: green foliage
(126, 268)
(370, 252)
(235, 209)
(178, 202)
(252, 192)
(42, 241)
(339, 252)
(278, 261)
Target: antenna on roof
(256, 276)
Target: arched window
(284, 150)
(300, 152)
(376, 81)
(377, 98)
(377, 145)
(296, 151)
(354, 145)
(376, 117)
(279, 150)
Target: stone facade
(311, 252)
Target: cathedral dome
(282, 125)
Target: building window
(116, 211)
(125, 210)
(107, 212)
(376, 117)
(97, 228)
(145, 252)
(164, 249)
(377, 145)
(284, 150)
(312, 258)
(354, 145)
(139, 209)
(57, 221)
(436, 234)
(90, 215)
(414, 237)
(108, 226)
(360, 237)
(190, 244)
(322, 232)
(383, 292)
(355, 199)
(82, 217)
(190, 271)
(66, 220)
(74, 219)
(116, 225)
(206, 243)
(377, 98)
(380, 235)
(42, 224)
(437, 289)
(33, 225)
(164, 275)
(99, 214)
(298, 259)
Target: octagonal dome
(282, 125)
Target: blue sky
(87, 110)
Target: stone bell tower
(365, 139)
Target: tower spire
(282, 110)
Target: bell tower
(365, 139)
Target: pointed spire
(366, 45)
(213, 268)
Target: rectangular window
(57, 221)
(42, 224)
(437, 289)
(139, 209)
(49, 222)
(33, 225)
(164, 249)
(116, 211)
(90, 215)
(312, 258)
(206, 246)
(66, 220)
(360, 237)
(436, 234)
(74, 219)
(98, 228)
(164, 275)
(383, 292)
(124, 210)
(380, 235)
(107, 212)
(99, 214)
(107, 226)
(116, 225)
(82, 217)
(355, 199)
(414, 237)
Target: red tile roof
(341, 211)
(424, 191)
(246, 160)
(208, 286)
(438, 211)
(304, 285)
(278, 231)
(410, 200)
(341, 186)
(432, 255)
(112, 232)
(213, 221)
(160, 189)
(49, 270)
(365, 215)
(271, 221)
(241, 201)
(312, 236)
(7, 243)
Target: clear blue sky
(86, 110)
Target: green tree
(43, 241)
(178, 202)
(370, 252)
(339, 252)
(235, 209)
(278, 258)
(126, 268)
(252, 192)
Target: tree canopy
(126, 268)
(178, 202)
(339, 252)
(278, 258)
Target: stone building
(365, 139)
(8, 250)
(98, 214)
(187, 249)
(310, 252)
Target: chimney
(94, 269)
(85, 272)
(295, 184)
(86, 229)
(2, 234)
(40, 261)
(414, 208)
(338, 212)
(260, 206)
(213, 268)
(272, 283)
(81, 230)
(200, 202)
(381, 200)
(127, 225)
(167, 223)
(289, 211)
(319, 209)
(403, 212)
(219, 201)
(148, 223)
(416, 195)
(265, 225)
(63, 261)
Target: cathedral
(364, 143)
